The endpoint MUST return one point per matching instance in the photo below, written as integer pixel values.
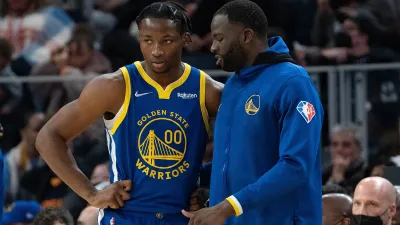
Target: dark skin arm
(103, 95)
(218, 214)
(213, 99)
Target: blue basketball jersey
(158, 139)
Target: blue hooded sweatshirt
(266, 159)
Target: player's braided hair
(167, 10)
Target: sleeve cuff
(235, 204)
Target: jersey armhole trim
(127, 100)
(203, 107)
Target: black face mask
(368, 220)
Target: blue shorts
(116, 217)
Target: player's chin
(163, 69)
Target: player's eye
(168, 41)
(147, 41)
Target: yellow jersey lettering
(168, 176)
(153, 174)
(175, 173)
(146, 171)
(160, 176)
(139, 164)
(162, 144)
(186, 164)
(181, 169)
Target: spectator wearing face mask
(336, 209)
(374, 202)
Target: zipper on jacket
(227, 149)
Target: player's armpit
(103, 94)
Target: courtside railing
(346, 89)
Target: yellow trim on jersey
(127, 100)
(203, 107)
(164, 94)
(238, 208)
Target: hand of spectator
(338, 54)
(60, 57)
(341, 162)
(339, 166)
(113, 195)
(196, 44)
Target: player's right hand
(113, 195)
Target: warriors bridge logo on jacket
(306, 110)
(252, 105)
(162, 145)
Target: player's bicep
(301, 113)
(71, 120)
(78, 115)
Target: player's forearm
(54, 151)
(286, 176)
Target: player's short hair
(167, 10)
(50, 215)
(247, 13)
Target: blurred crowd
(79, 38)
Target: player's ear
(247, 35)
(186, 39)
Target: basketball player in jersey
(156, 115)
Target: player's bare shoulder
(110, 88)
(213, 85)
(213, 95)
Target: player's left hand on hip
(207, 216)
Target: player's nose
(157, 51)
